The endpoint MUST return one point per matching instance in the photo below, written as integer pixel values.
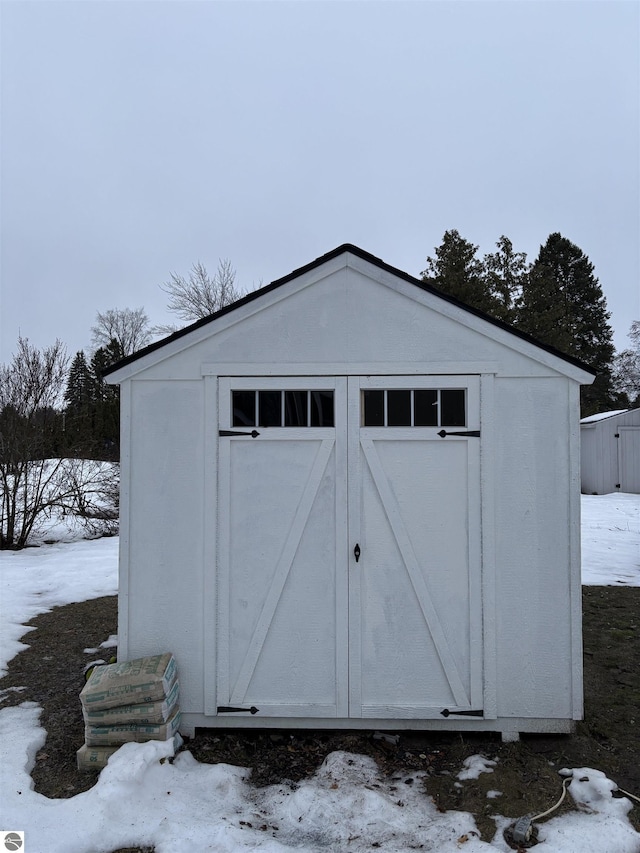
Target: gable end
(345, 248)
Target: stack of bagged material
(131, 701)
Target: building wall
(347, 318)
(607, 467)
(629, 451)
(529, 450)
(162, 537)
(537, 575)
(593, 462)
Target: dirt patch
(526, 773)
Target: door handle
(356, 552)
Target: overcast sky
(140, 137)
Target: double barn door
(349, 568)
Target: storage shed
(349, 500)
(610, 452)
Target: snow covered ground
(611, 540)
(189, 807)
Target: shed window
(296, 408)
(244, 408)
(453, 407)
(373, 403)
(321, 408)
(277, 408)
(419, 407)
(398, 407)
(269, 408)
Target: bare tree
(38, 485)
(30, 388)
(129, 328)
(89, 495)
(198, 295)
(626, 366)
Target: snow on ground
(611, 540)
(196, 808)
(36, 579)
(474, 766)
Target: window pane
(425, 407)
(373, 408)
(270, 408)
(243, 404)
(295, 409)
(398, 408)
(453, 408)
(322, 408)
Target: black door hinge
(447, 713)
(474, 433)
(252, 710)
(254, 433)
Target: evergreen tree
(563, 305)
(505, 272)
(78, 413)
(92, 413)
(457, 270)
(78, 390)
(106, 403)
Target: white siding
(610, 454)
(340, 320)
(347, 319)
(533, 562)
(164, 578)
(629, 459)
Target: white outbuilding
(610, 452)
(349, 500)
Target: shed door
(629, 459)
(310, 468)
(282, 580)
(415, 595)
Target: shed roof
(366, 256)
(592, 419)
(626, 417)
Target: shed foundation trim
(510, 727)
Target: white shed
(348, 500)
(610, 452)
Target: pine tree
(106, 403)
(78, 397)
(506, 272)
(563, 305)
(78, 389)
(77, 394)
(457, 271)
